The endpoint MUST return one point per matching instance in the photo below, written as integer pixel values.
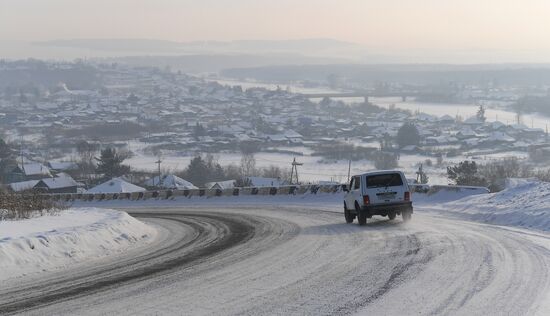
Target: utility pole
(21, 151)
(349, 169)
(158, 162)
(295, 170)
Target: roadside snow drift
(56, 241)
(524, 204)
(447, 193)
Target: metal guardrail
(246, 191)
(208, 193)
(431, 189)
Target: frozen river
(494, 112)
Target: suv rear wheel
(391, 215)
(406, 216)
(361, 216)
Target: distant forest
(32, 73)
(522, 75)
(529, 104)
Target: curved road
(303, 260)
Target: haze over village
(254, 157)
(333, 124)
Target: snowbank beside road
(446, 193)
(524, 203)
(56, 241)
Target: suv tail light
(366, 200)
(407, 196)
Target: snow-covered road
(302, 260)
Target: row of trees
(493, 174)
(204, 168)
(109, 163)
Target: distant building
(116, 185)
(29, 171)
(169, 181)
(221, 185)
(63, 184)
(62, 166)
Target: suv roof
(369, 173)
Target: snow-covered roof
(471, 141)
(276, 137)
(265, 182)
(292, 134)
(116, 185)
(426, 117)
(23, 185)
(170, 181)
(497, 124)
(243, 137)
(443, 139)
(500, 137)
(32, 169)
(466, 131)
(520, 127)
(227, 184)
(63, 181)
(63, 165)
(446, 118)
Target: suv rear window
(384, 180)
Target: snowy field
(315, 168)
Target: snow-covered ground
(314, 168)
(257, 255)
(275, 260)
(524, 203)
(53, 242)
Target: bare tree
(87, 151)
(248, 165)
(272, 172)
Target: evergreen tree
(408, 135)
(421, 176)
(465, 173)
(202, 170)
(481, 113)
(5, 150)
(196, 171)
(7, 160)
(110, 164)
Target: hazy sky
(483, 25)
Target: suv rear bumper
(384, 209)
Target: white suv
(383, 193)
